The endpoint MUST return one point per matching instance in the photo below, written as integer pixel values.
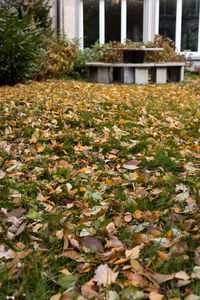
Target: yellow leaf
(197, 114)
(73, 192)
(33, 140)
(163, 255)
(169, 234)
(155, 296)
(137, 214)
(121, 121)
(83, 189)
(40, 149)
(121, 261)
(133, 253)
(137, 266)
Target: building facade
(138, 20)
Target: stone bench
(137, 73)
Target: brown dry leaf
(161, 278)
(133, 253)
(104, 275)
(87, 290)
(197, 258)
(65, 272)
(7, 254)
(59, 234)
(92, 241)
(72, 254)
(182, 275)
(128, 217)
(74, 243)
(56, 297)
(2, 174)
(155, 296)
(23, 254)
(19, 246)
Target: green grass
(78, 185)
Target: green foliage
(22, 47)
(38, 10)
(59, 58)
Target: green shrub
(59, 59)
(22, 47)
(38, 10)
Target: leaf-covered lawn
(100, 191)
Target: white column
(178, 25)
(102, 22)
(123, 20)
(145, 21)
(156, 17)
(80, 24)
(199, 30)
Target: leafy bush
(58, 60)
(38, 10)
(167, 55)
(22, 47)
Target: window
(190, 25)
(179, 20)
(135, 20)
(112, 20)
(90, 22)
(167, 19)
(108, 20)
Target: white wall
(69, 18)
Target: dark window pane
(112, 21)
(190, 25)
(167, 18)
(91, 22)
(135, 20)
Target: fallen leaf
(133, 253)
(2, 174)
(182, 275)
(92, 241)
(155, 296)
(161, 278)
(104, 275)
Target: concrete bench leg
(99, 74)
(159, 75)
(141, 76)
(128, 75)
(182, 74)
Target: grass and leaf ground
(100, 191)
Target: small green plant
(22, 47)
